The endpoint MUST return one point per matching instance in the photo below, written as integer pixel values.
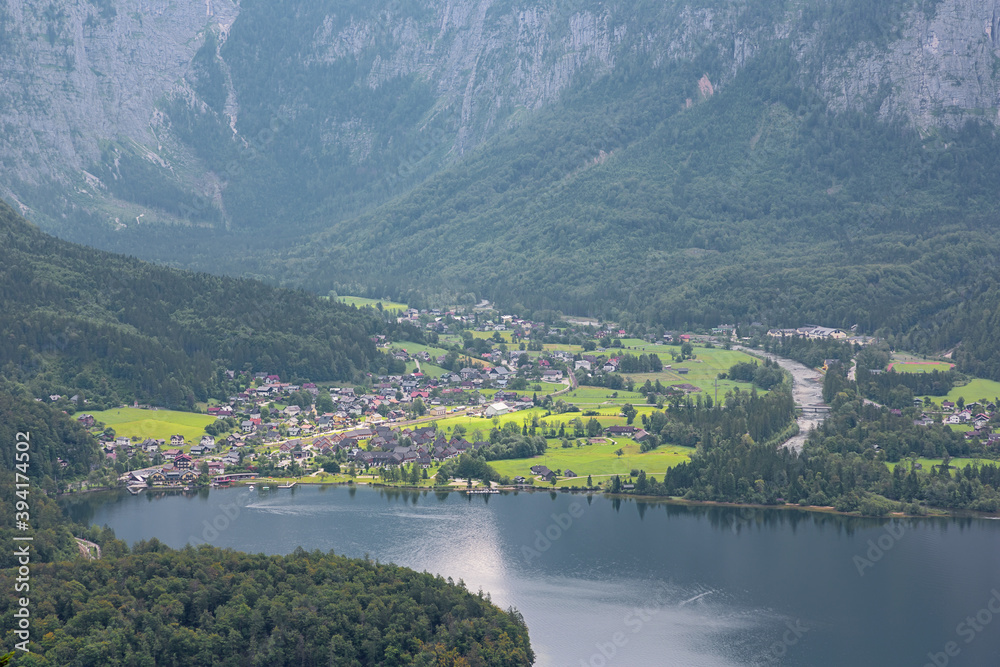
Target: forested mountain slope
(680, 163)
(112, 328)
(254, 116)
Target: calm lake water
(604, 582)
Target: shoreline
(932, 513)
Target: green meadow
(362, 302)
(606, 415)
(920, 366)
(599, 461)
(588, 397)
(976, 390)
(156, 424)
(702, 371)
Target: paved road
(807, 390)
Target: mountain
(681, 163)
(112, 328)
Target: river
(807, 391)
(623, 582)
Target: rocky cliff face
(943, 69)
(86, 82)
(79, 74)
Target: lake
(618, 582)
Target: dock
(287, 486)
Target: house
(177, 441)
(552, 376)
(247, 426)
(569, 474)
(621, 430)
(583, 363)
(183, 461)
(87, 421)
(496, 409)
(519, 480)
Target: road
(807, 390)
(88, 549)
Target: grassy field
(607, 416)
(920, 366)
(591, 396)
(361, 302)
(435, 352)
(157, 424)
(702, 371)
(599, 461)
(976, 390)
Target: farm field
(599, 461)
(591, 396)
(156, 424)
(427, 368)
(920, 366)
(435, 352)
(362, 302)
(701, 371)
(977, 390)
(607, 416)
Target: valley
(584, 331)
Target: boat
(251, 487)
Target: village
(505, 365)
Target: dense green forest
(109, 328)
(158, 606)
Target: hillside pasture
(156, 424)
